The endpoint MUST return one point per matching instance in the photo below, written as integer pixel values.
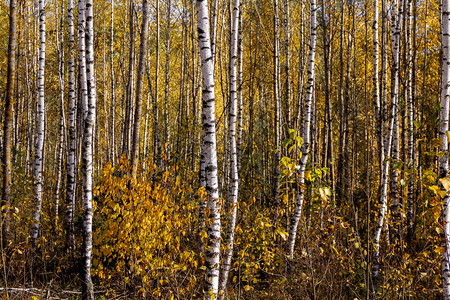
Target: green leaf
(286, 142)
(292, 133)
(285, 160)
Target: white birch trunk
(62, 122)
(167, 124)
(390, 145)
(89, 123)
(287, 53)
(277, 101)
(443, 129)
(113, 92)
(71, 155)
(82, 61)
(40, 126)
(233, 195)
(306, 132)
(209, 151)
(410, 138)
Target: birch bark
(71, 154)
(7, 129)
(40, 126)
(306, 131)
(233, 195)
(390, 142)
(89, 123)
(62, 117)
(209, 151)
(443, 129)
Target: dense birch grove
(225, 149)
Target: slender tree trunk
(395, 147)
(7, 125)
(140, 78)
(40, 124)
(411, 135)
(277, 101)
(89, 124)
(239, 95)
(166, 85)
(113, 90)
(342, 105)
(209, 151)
(128, 122)
(62, 120)
(287, 62)
(214, 28)
(306, 132)
(155, 104)
(389, 146)
(71, 155)
(443, 129)
(82, 81)
(234, 190)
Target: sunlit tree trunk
(209, 151)
(287, 61)
(234, 182)
(71, 154)
(443, 130)
(215, 14)
(410, 133)
(167, 124)
(113, 90)
(277, 101)
(62, 117)
(389, 145)
(139, 83)
(376, 86)
(89, 123)
(306, 132)
(7, 124)
(127, 125)
(395, 98)
(40, 126)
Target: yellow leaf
(439, 249)
(445, 183)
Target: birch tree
(89, 123)
(234, 182)
(71, 153)
(113, 91)
(40, 127)
(7, 125)
(209, 152)
(390, 143)
(62, 117)
(306, 131)
(127, 125)
(139, 81)
(443, 131)
(277, 101)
